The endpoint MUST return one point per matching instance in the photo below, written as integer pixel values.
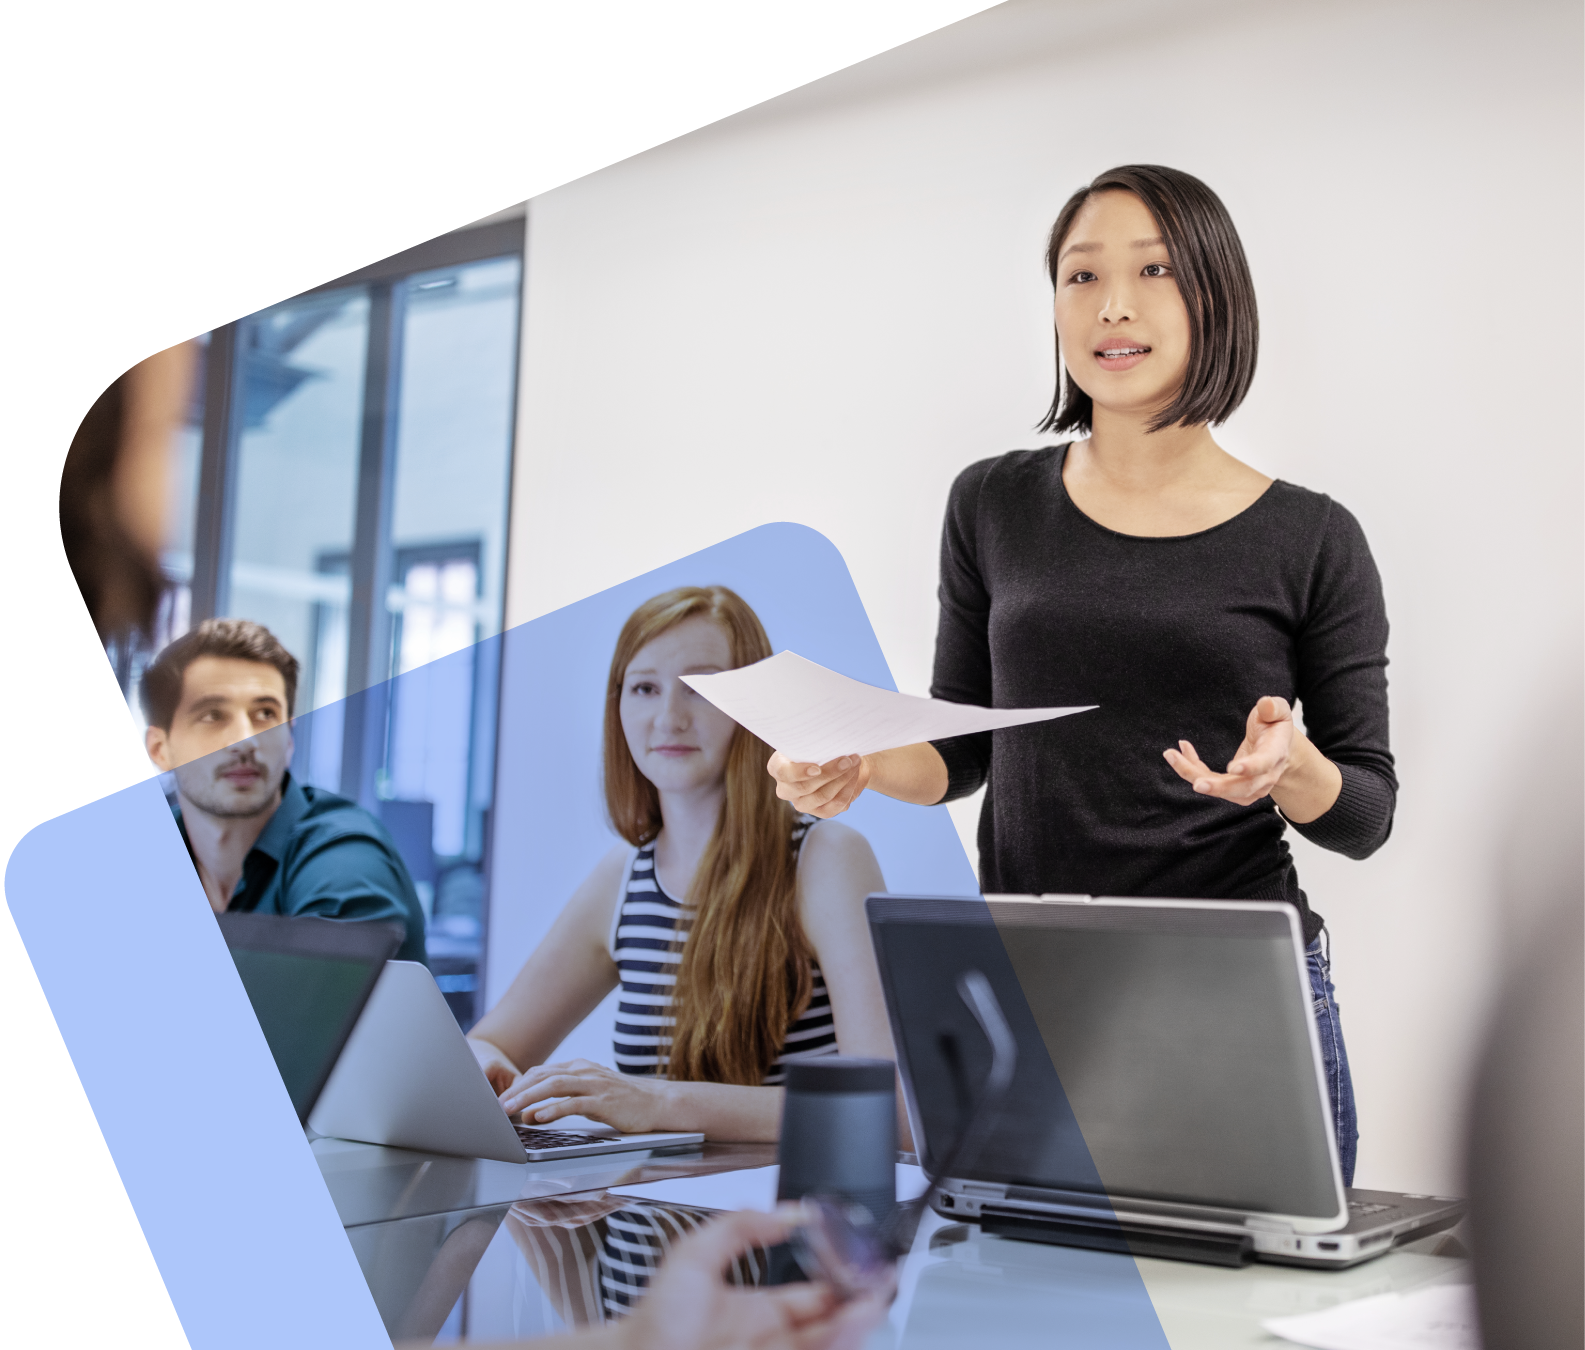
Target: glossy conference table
(442, 1264)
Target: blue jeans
(1334, 1057)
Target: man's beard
(212, 796)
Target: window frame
(372, 559)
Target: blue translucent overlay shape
(1029, 1296)
(181, 1081)
(990, 1291)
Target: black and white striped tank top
(646, 924)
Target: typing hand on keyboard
(629, 1103)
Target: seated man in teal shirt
(219, 706)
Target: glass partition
(301, 395)
(448, 540)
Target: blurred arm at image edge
(114, 490)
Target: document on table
(813, 715)
(1441, 1317)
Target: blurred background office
(821, 309)
(342, 477)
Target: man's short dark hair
(1213, 278)
(232, 639)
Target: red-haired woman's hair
(746, 967)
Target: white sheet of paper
(1440, 1317)
(814, 715)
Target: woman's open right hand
(501, 1072)
(823, 790)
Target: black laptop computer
(308, 980)
(1168, 1097)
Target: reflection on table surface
(371, 1184)
(463, 1250)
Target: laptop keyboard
(533, 1137)
(1360, 1208)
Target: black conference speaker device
(838, 1142)
(838, 1133)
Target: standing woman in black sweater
(1143, 568)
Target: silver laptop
(408, 1079)
(1168, 1098)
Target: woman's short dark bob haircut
(1213, 278)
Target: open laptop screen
(1165, 1051)
(308, 980)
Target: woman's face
(678, 739)
(1121, 321)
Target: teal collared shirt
(323, 855)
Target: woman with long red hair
(734, 926)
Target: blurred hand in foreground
(690, 1306)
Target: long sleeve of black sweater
(1173, 638)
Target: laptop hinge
(1132, 1239)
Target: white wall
(821, 309)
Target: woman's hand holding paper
(822, 790)
(910, 773)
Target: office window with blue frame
(344, 480)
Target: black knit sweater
(1173, 638)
